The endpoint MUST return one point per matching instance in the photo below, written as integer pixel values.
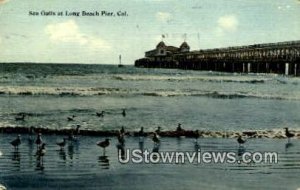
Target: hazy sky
(100, 39)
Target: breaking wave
(273, 134)
(177, 78)
(95, 91)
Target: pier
(281, 58)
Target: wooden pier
(280, 58)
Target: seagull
(62, 144)
(240, 140)
(103, 144)
(20, 117)
(124, 113)
(288, 134)
(121, 139)
(16, 142)
(141, 134)
(122, 130)
(155, 139)
(38, 140)
(179, 129)
(77, 129)
(196, 136)
(101, 114)
(71, 118)
(158, 130)
(72, 137)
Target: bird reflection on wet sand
(62, 154)
(241, 150)
(288, 146)
(40, 153)
(156, 148)
(197, 146)
(16, 156)
(71, 151)
(141, 145)
(39, 165)
(104, 162)
(16, 160)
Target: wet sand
(83, 166)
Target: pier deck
(281, 58)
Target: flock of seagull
(41, 146)
(121, 139)
(21, 116)
(288, 134)
(41, 149)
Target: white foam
(188, 78)
(92, 91)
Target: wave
(222, 95)
(98, 91)
(267, 133)
(218, 79)
(56, 112)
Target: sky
(203, 24)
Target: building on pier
(162, 50)
(281, 58)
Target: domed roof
(161, 44)
(184, 45)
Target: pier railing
(281, 58)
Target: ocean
(50, 93)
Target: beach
(220, 105)
(82, 166)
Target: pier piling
(280, 58)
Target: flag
(184, 36)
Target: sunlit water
(48, 94)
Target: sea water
(50, 93)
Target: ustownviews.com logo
(139, 156)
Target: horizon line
(20, 62)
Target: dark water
(50, 93)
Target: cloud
(219, 31)
(163, 16)
(284, 7)
(3, 1)
(68, 32)
(228, 23)
(65, 32)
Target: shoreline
(273, 134)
